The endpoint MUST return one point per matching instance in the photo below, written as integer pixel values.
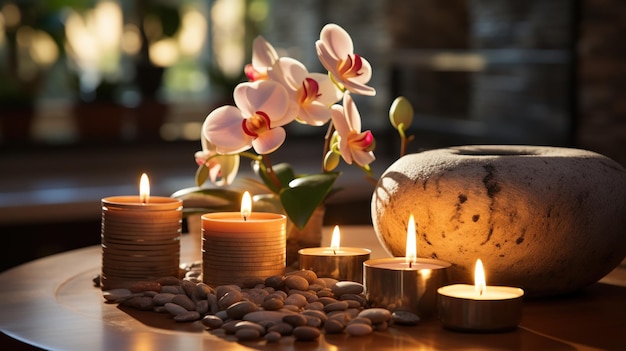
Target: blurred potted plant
(94, 54)
(27, 51)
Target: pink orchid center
(309, 91)
(363, 141)
(256, 124)
(350, 67)
(253, 74)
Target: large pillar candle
(237, 247)
(140, 238)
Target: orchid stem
(270, 171)
(327, 138)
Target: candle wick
(334, 252)
(245, 218)
(410, 264)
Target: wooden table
(51, 303)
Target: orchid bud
(331, 161)
(401, 112)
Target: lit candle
(140, 237)
(239, 246)
(480, 307)
(335, 261)
(405, 283)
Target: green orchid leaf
(305, 194)
(283, 171)
(202, 174)
(209, 200)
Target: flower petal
(264, 95)
(339, 120)
(269, 141)
(337, 41)
(263, 54)
(351, 113)
(222, 127)
(328, 92)
(314, 114)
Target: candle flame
(144, 188)
(334, 242)
(480, 284)
(246, 205)
(411, 242)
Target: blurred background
(93, 93)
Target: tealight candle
(480, 307)
(140, 237)
(335, 261)
(239, 246)
(405, 283)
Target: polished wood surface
(51, 303)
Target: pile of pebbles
(297, 304)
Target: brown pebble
(252, 282)
(295, 320)
(228, 298)
(247, 334)
(255, 295)
(142, 286)
(188, 316)
(306, 333)
(327, 300)
(272, 336)
(202, 306)
(296, 282)
(282, 328)
(250, 325)
(171, 280)
(161, 299)
(240, 309)
(336, 306)
(314, 306)
(275, 281)
(184, 301)
(355, 297)
(296, 300)
(190, 289)
(361, 320)
(223, 289)
(172, 289)
(309, 275)
(329, 282)
(315, 313)
(376, 315)
(347, 287)
(333, 326)
(381, 326)
(359, 329)
(174, 309)
(143, 303)
(229, 326)
(259, 316)
(117, 295)
(204, 290)
(313, 321)
(212, 322)
(272, 304)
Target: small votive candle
(241, 246)
(405, 283)
(341, 263)
(478, 307)
(140, 237)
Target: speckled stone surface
(549, 220)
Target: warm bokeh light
(192, 33)
(335, 239)
(164, 52)
(12, 15)
(228, 18)
(411, 241)
(131, 40)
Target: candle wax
(327, 251)
(466, 291)
(405, 266)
